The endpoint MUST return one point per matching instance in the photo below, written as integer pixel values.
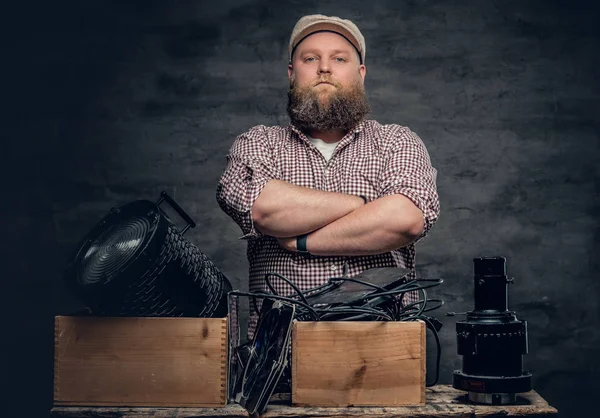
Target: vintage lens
(492, 340)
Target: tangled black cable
(382, 304)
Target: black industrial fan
(135, 262)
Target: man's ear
(363, 71)
(290, 71)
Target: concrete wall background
(109, 102)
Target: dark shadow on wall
(58, 57)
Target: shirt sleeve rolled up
(249, 168)
(409, 172)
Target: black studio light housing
(136, 262)
(492, 340)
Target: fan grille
(112, 250)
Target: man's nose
(324, 67)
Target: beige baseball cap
(307, 25)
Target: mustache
(325, 79)
(322, 79)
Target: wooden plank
(229, 411)
(442, 402)
(358, 363)
(140, 361)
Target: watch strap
(301, 243)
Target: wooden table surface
(441, 401)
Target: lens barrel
(491, 340)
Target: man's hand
(288, 244)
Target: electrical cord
(401, 314)
(336, 311)
(432, 328)
(351, 279)
(382, 304)
(266, 295)
(288, 281)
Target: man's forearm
(383, 225)
(284, 209)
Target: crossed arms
(252, 193)
(336, 223)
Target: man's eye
(340, 59)
(309, 59)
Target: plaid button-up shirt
(372, 160)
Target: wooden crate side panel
(140, 361)
(358, 363)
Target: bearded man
(331, 193)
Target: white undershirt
(325, 148)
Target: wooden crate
(358, 363)
(140, 361)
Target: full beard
(341, 109)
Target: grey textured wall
(105, 103)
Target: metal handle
(190, 222)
